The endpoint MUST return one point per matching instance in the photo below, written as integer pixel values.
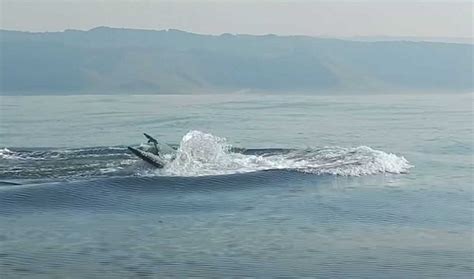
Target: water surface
(366, 186)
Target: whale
(154, 156)
(149, 157)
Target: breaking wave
(198, 154)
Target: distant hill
(127, 61)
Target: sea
(261, 185)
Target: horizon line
(354, 37)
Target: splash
(198, 154)
(204, 154)
(6, 153)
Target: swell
(140, 194)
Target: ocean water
(376, 186)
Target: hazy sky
(315, 18)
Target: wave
(198, 154)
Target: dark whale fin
(154, 141)
(148, 157)
(150, 138)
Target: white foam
(204, 154)
(6, 153)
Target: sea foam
(205, 154)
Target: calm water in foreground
(318, 186)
